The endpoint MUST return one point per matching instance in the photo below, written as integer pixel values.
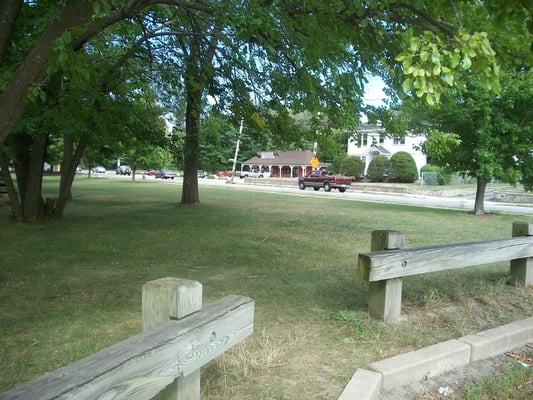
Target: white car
(251, 174)
(98, 170)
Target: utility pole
(236, 151)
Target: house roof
(373, 128)
(291, 157)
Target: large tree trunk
(12, 104)
(9, 12)
(189, 193)
(71, 160)
(77, 13)
(16, 209)
(28, 204)
(29, 159)
(196, 80)
(479, 205)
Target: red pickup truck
(326, 180)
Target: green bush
(402, 168)
(378, 169)
(435, 175)
(352, 166)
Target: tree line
(94, 75)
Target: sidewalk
(426, 364)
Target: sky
(374, 94)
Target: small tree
(441, 176)
(352, 166)
(378, 169)
(402, 168)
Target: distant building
(371, 140)
(281, 164)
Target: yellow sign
(314, 162)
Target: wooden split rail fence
(388, 262)
(163, 362)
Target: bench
(388, 262)
(164, 361)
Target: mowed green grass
(71, 287)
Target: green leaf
(448, 78)
(467, 63)
(455, 60)
(428, 36)
(407, 85)
(414, 45)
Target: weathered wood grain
(385, 297)
(522, 268)
(139, 367)
(172, 298)
(376, 266)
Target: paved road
(459, 203)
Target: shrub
(352, 166)
(435, 175)
(377, 169)
(402, 168)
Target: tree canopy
(479, 134)
(254, 60)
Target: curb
(437, 359)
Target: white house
(371, 140)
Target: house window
(381, 138)
(365, 139)
(397, 139)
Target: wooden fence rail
(179, 337)
(388, 262)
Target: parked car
(223, 173)
(150, 172)
(251, 174)
(124, 170)
(326, 180)
(98, 170)
(165, 174)
(202, 174)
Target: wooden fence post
(385, 297)
(522, 268)
(173, 298)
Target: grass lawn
(72, 287)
